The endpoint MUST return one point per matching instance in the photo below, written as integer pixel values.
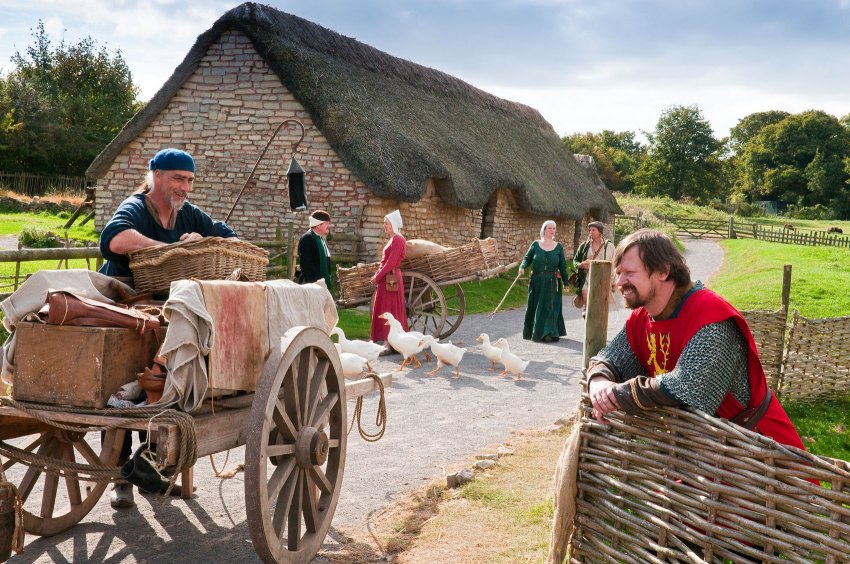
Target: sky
(585, 65)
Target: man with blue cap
(158, 214)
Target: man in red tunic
(683, 345)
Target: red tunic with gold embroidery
(659, 343)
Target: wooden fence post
(786, 286)
(278, 236)
(598, 298)
(730, 234)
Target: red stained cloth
(669, 337)
(392, 302)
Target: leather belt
(749, 418)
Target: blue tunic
(133, 214)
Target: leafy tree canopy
(617, 155)
(61, 105)
(683, 158)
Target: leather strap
(749, 418)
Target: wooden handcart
(293, 427)
(432, 284)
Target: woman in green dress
(544, 320)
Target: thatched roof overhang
(396, 124)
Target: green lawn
(12, 223)
(751, 277)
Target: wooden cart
(432, 284)
(293, 427)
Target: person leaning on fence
(595, 247)
(158, 214)
(389, 289)
(683, 345)
(544, 318)
(314, 256)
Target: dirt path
(8, 242)
(434, 424)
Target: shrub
(38, 239)
(818, 211)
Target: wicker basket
(478, 256)
(210, 258)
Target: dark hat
(597, 224)
(321, 215)
(172, 159)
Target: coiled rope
(380, 416)
(186, 456)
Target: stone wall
(224, 114)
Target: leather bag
(64, 308)
(391, 282)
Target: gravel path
(434, 424)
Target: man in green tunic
(314, 257)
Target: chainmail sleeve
(618, 356)
(712, 363)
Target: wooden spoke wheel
(455, 307)
(425, 303)
(53, 503)
(295, 449)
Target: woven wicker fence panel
(817, 361)
(768, 329)
(682, 486)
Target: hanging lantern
(297, 190)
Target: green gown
(544, 320)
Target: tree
(617, 155)
(66, 104)
(749, 126)
(801, 161)
(683, 158)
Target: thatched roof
(396, 124)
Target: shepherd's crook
(518, 274)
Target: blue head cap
(172, 159)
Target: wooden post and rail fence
(282, 256)
(734, 228)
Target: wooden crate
(77, 366)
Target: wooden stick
(505, 296)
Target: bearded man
(158, 214)
(683, 345)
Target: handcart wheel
(426, 304)
(455, 307)
(295, 449)
(52, 503)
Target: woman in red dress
(389, 297)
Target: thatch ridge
(396, 124)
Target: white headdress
(543, 227)
(395, 220)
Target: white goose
(492, 352)
(366, 349)
(446, 353)
(513, 364)
(408, 343)
(353, 365)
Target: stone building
(380, 133)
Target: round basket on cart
(210, 258)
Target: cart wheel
(426, 304)
(295, 450)
(52, 503)
(455, 306)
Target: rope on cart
(186, 456)
(380, 416)
(19, 534)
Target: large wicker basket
(477, 256)
(210, 258)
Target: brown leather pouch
(64, 308)
(391, 281)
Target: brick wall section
(225, 113)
